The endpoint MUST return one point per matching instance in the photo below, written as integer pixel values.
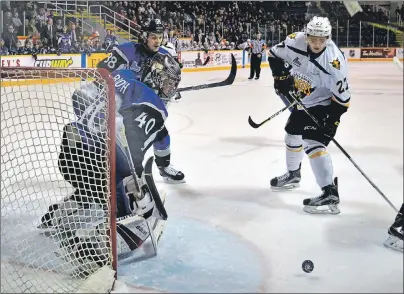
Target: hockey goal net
(36, 107)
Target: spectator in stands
(48, 32)
(88, 46)
(77, 47)
(110, 41)
(8, 19)
(200, 37)
(41, 17)
(74, 32)
(17, 23)
(10, 38)
(64, 41)
(97, 46)
(31, 28)
(27, 48)
(3, 49)
(39, 48)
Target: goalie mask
(163, 75)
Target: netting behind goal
(37, 171)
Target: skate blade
(394, 243)
(285, 188)
(325, 209)
(171, 181)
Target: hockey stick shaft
(255, 125)
(129, 157)
(226, 82)
(345, 153)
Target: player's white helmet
(319, 27)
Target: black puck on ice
(307, 266)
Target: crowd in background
(210, 25)
(46, 33)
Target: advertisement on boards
(378, 52)
(195, 59)
(45, 61)
(94, 58)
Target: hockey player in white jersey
(170, 48)
(319, 76)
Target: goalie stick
(162, 214)
(226, 82)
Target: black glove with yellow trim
(332, 120)
(330, 125)
(283, 81)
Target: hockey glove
(283, 81)
(331, 122)
(330, 125)
(283, 85)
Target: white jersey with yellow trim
(321, 77)
(170, 48)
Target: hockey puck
(307, 266)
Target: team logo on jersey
(297, 62)
(303, 84)
(336, 64)
(134, 67)
(292, 36)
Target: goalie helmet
(163, 75)
(319, 27)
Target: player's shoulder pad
(162, 50)
(336, 60)
(296, 40)
(295, 37)
(124, 50)
(168, 45)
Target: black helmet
(154, 26)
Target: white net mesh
(56, 194)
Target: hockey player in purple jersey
(139, 122)
(136, 57)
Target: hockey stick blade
(226, 82)
(255, 125)
(152, 186)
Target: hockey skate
(171, 175)
(326, 203)
(289, 180)
(395, 232)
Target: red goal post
(36, 105)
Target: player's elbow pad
(278, 67)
